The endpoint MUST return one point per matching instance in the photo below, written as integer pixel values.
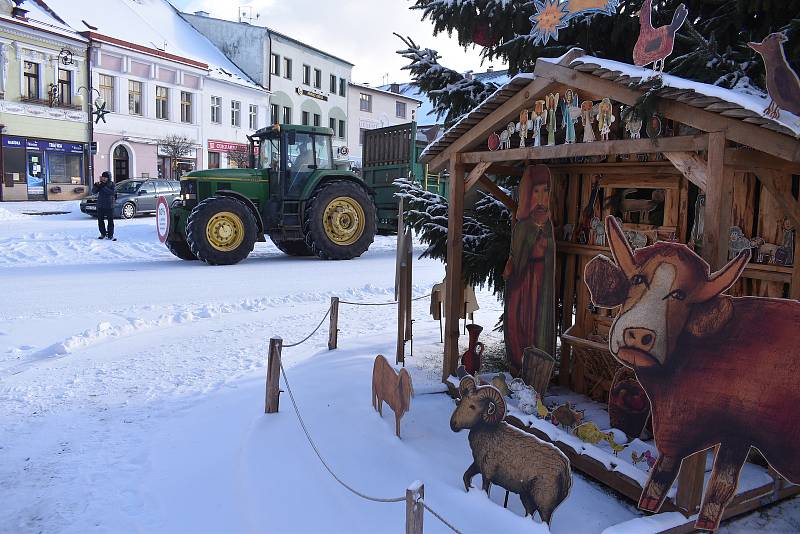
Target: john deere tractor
(292, 193)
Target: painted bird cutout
(783, 85)
(656, 44)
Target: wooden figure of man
(530, 271)
(552, 108)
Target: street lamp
(100, 110)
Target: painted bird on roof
(783, 85)
(656, 44)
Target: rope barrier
(312, 333)
(324, 463)
(380, 303)
(440, 518)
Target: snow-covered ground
(132, 394)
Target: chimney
(395, 88)
(491, 68)
(201, 13)
(469, 75)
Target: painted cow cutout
(718, 370)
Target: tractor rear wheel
(181, 250)
(293, 248)
(339, 222)
(221, 231)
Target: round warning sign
(162, 219)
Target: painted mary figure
(529, 319)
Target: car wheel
(221, 231)
(128, 210)
(339, 221)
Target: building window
(275, 65)
(253, 117)
(305, 118)
(287, 68)
(361, 135)
(107, 91)
(162, 103)
(342, 129)
(307, 74)
(332, 124)
(134, 97)
(213, 160)
(287, 115)
(400, 110)
(365, 103)
(65, 87)
(186, 106)
(333, 84)
(317, 78)
(216, 109)
(342, 87)
(317, 120)
(236, 113)
(274, 109)
(31, 80)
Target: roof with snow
(385, 91)
(40, 18)
(425, 114)
(735, 105)
(154, 24)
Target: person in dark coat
(104, 189)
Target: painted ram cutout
(718, 370)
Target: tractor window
(269, 155)
(300, 159)
(322, 146)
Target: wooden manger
(714, 165)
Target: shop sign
(13, 142)
(224, 146)
(313, 94)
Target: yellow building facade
(44, 109)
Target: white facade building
(370, 108)
(307, 85)
(160, 77)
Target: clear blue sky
(359, 31)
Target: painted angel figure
(588, 113)
(523, 127)
(552, 107)
(539, 117)
(605, 118)
(570, 112)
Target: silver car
(137, 196)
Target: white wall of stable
(384, 113)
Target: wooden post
(455, 285)
(719, 198)
(690, 483)
(333, 330)
(273, 375)
(414, 509)
(409, 256)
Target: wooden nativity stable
(709, 171)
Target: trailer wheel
(221, 231)
(295, 247)
(339, 221)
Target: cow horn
(619, 246)
(496, 410)
(722, 279)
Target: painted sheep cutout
(718, 370)
(391, 387)
(514, 460)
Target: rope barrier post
(273, 375)
(333, 331)
(414, 510)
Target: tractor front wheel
(339, 222)
(221, 231)
(181, 250)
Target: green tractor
(292, 193)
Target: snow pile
(8, 215)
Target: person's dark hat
(105, 174)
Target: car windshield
(128, 186)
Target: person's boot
(101, 236)
(112, 238)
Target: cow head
(663, 290)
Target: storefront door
(36, 175)
(121, 164)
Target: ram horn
(466, 386)
(496, 410)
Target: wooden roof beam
(685, 143)
(494, 190)
(762, 139)
(475, 175)
(692, 166)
